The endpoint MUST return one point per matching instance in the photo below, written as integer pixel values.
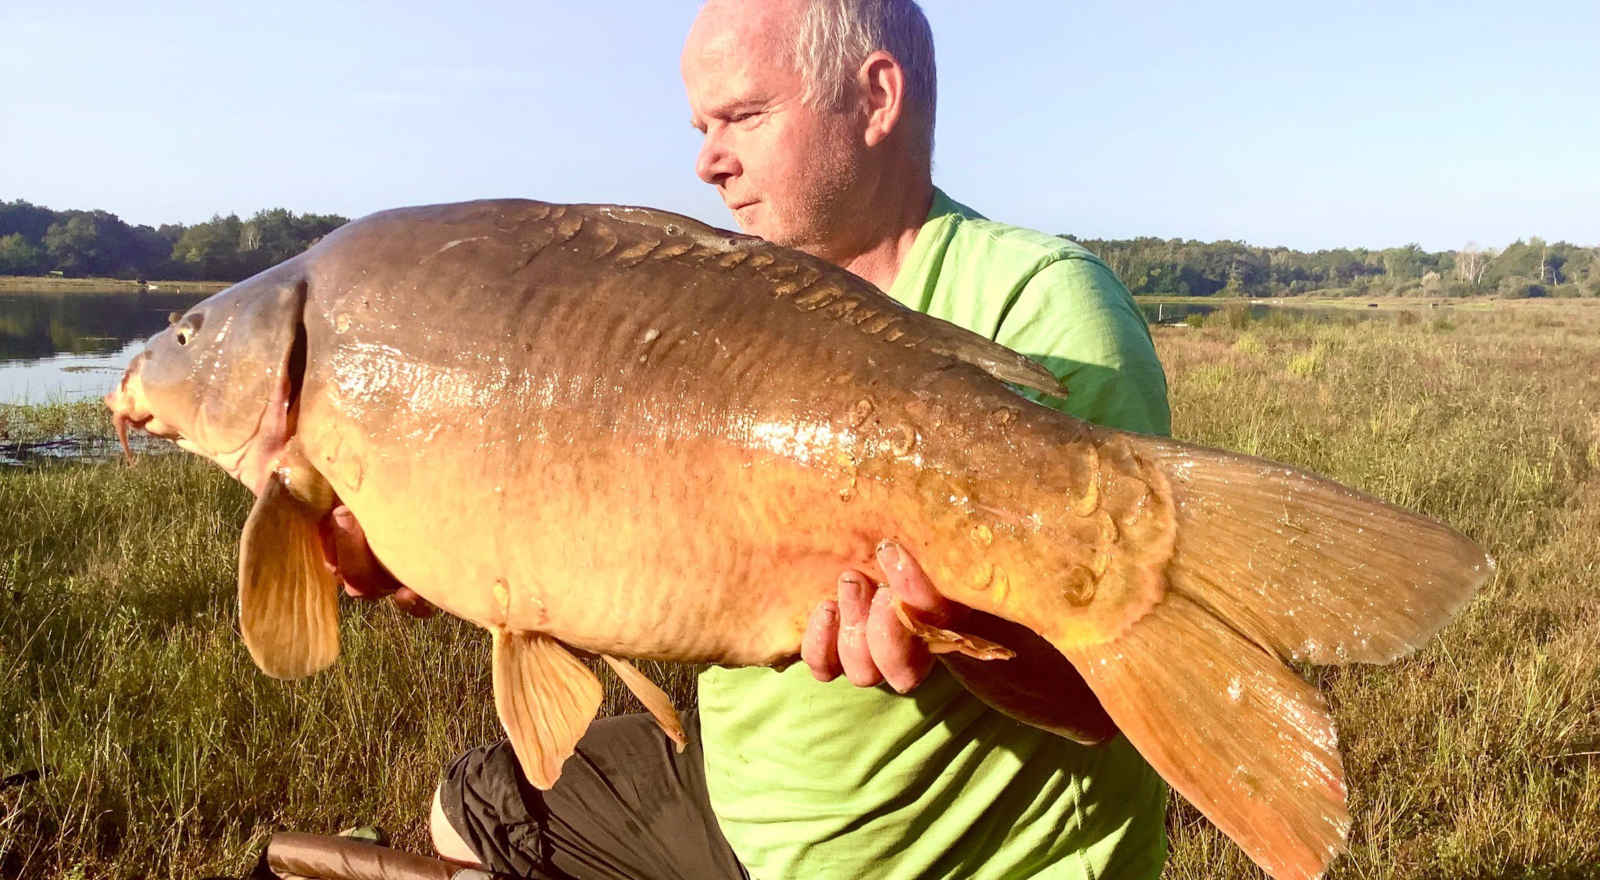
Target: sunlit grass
(1480, 755)
(164, 753)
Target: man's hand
(345, 550)
(860, 635)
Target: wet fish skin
(627, 432)
(630, 358)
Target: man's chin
(748, 218)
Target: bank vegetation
(150, 746)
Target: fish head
(222, 380)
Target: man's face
(786, 170)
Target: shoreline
(1473, 303)
(49, 284)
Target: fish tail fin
(1242, 737)
(1304, 567)
(1265, 564)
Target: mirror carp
(624, 432)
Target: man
(818, 133)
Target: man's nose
(715, 162)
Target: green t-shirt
(812, 780)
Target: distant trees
(1194, 268)
(1471, 262)
(18, 256)
(35, 240)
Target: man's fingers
(911, 586)
(820, 647)
(901, 657)
(855, 604)
(412, 604)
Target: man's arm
(345, 551)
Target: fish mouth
(130, 409)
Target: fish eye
(187, 329)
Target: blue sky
(1309, 125)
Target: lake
(65, 346)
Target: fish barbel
(621, 431)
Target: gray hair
(835, 36)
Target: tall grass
(164, 753)
(1480, 755)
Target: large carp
(623, 431)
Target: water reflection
(57, 346)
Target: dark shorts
(627, 806)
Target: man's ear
(882, 85)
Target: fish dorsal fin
(931, 334)
(288, 600)
(655, 700)
(993, 358)
(545, 699)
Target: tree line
(35, 240)
(1176, 267)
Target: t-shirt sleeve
(1077, 319)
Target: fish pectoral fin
(655, 700)
(288, 600)
(545, 699)
(945, 641)
(1230, 726)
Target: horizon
(245, 216)
(1298, 128)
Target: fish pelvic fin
(545, 699)
(1233, 729)
(946, 641)
(288, 599)
(653, 698)
(1304, 567)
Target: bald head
(765, 23)
(828, 158)
(826, 42)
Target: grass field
(164, 753)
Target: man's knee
(446, 839)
